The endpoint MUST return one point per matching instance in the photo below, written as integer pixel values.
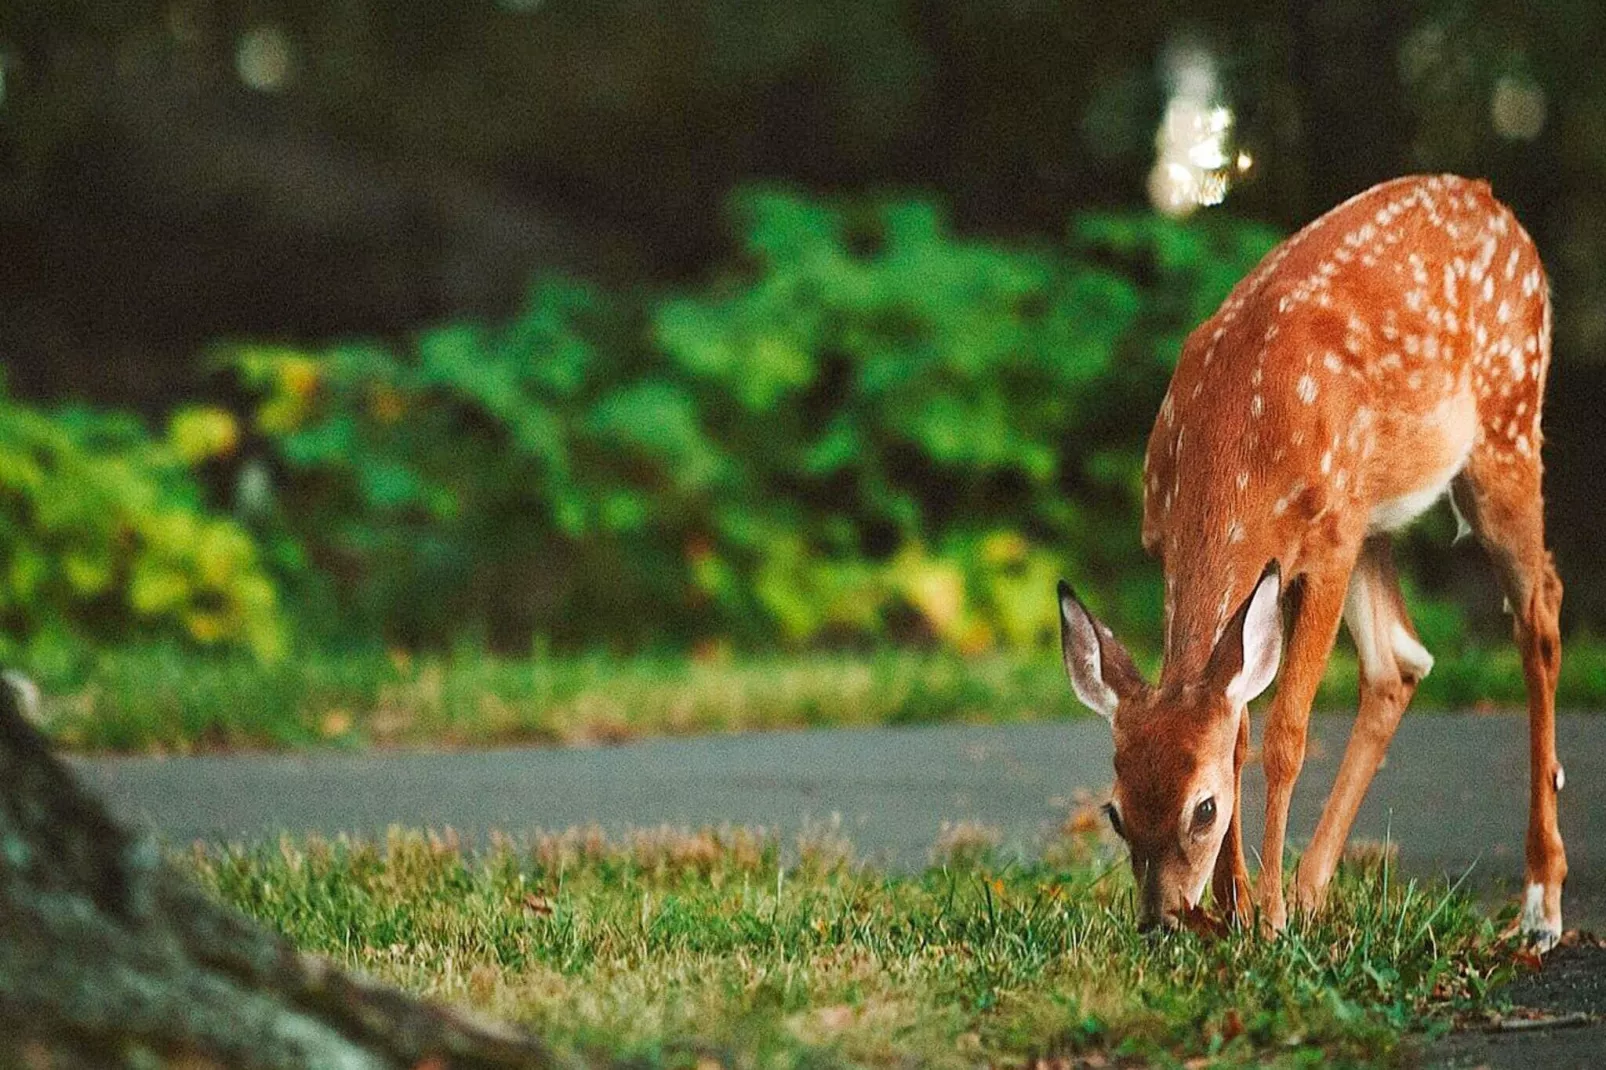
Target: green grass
(722, 948)
(157, 699)
(164, 700)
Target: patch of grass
(156, 699)
(164, 699)
(674, 948)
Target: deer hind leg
(1500, 496)
(1316, 617)
(1392, 661)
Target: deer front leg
(1230, 884)
(1391, 663)
(1315, 627)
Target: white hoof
(1540, 932)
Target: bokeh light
(1195, 162)
(1517, 108)
(263, 58)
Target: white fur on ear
(1084, 661)
(1262, 642)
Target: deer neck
(1201, 593)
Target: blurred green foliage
(467, 487)
(106, 537)
(870, 427)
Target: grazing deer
(1391, 351)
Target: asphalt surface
(1453, 793)
(1569, 993)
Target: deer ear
(1101, 671)
(1251, 646)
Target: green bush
(105, 536)
(872, 428)
(467, 487)
(914, 413)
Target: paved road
(1453, 791)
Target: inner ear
(1102, 672)
(1246, 657)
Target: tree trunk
(110, 958)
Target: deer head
(1176, 779)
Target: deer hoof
(1537, 927)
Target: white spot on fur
(1306, 388)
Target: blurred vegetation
(886, 395)
(870, 428)
(107, 538)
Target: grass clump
(672, 948)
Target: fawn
(1394, 349)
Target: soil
(1556, 1020)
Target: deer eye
(1115, 819)
(1204, 815)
